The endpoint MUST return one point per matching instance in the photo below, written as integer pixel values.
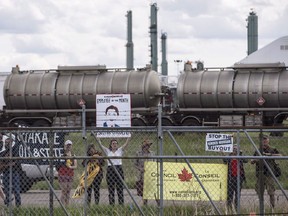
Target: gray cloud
(35, 44)
(50, 33)
(18, 24)
(20, 16)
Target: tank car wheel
(138, 122)
(167, 122)
(190, 122)
(20, 123)
(41, 123)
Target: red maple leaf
(185, 176)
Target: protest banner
(113, 111)
(219, 142)
(179, 183)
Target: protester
(139, 164)
(95, 184)
(2, 194)
(66, 173)
(267, 177)
(15, 166)
(233, 172)
(2, 167)
(115, 174)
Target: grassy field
(190, 143)
(106, 210)
(193, 144)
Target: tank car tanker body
(245, 95)
(44, 98)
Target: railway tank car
(243, 95)
(45, 98)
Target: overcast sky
(42, 34)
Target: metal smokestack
(252, 32)
(129, 45)
(164, 64)
(153, 36)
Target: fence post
(51, 177)
(160, 141)
(82, 104)
(261, 176)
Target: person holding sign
(115, 174)
(66, 173)
(267, 177)
(94, 164)
(233, 173)
(94, 175)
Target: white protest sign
(113, 110)
(219, 142)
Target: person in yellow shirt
(66, 173)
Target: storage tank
(62, 88)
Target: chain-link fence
(175, 171)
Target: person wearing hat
(66, 172)
(139, 164)
(232, 190)
(267, 177)
(15, 166)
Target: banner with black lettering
(219, 142)
(39, 144)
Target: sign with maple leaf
(179, 182)
(185, 175)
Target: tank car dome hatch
(275, 52)
(200, 65)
